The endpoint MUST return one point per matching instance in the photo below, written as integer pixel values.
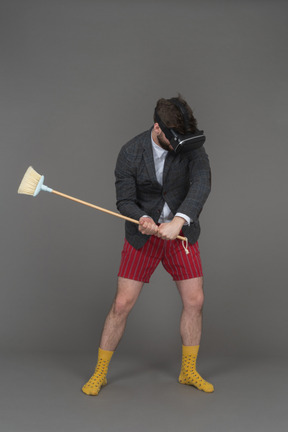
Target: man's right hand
(147, 226)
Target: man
(165, 190)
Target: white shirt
(159, 155)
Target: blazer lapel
(168, 161)
(148, 157)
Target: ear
(157, 129)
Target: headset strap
(163, 127)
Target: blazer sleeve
(199, 185)
(126, 191)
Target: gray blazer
(186, 186)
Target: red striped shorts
(139, 264)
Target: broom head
(29, 182)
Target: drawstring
(185, 245)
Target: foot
(94, 385)
(194, 379)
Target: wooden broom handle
(103, 210)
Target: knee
(122, 305)
(194, 301)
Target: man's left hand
(170, 230)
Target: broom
(32, 183)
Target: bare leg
(127, 293)
(191, 292)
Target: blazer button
(164, 193)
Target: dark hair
(171, 115)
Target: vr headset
(181, 143)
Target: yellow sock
(98, 379)
(188, 374)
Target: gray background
(78, 80)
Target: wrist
(179, 221)
(145, 218)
